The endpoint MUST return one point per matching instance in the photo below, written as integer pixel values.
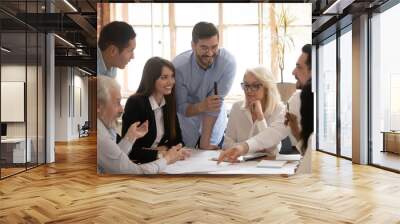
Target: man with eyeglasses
(204, 76)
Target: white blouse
(259, 135)
(159, 117)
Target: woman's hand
(256, 110)
(232, 154)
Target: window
(298, 34)
(22, 69)
(327, 96)
(346, 94)
(385, 86)
(166, 30)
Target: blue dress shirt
(193, 85)
(101, 66)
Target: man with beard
(204, 76)
(302, 73)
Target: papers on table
(287, 169)
(291, 157)
(271, 164)
(200, 162)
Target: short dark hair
(151, 72)
(204, 30)
(116, 33)
(307, 50)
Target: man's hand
(176, 153)
(136, 131)
(292, 122)
(232, 154)
(211, 104)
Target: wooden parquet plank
(70, 191)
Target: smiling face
(206, 50)
(302, 72)
(165, 82)
(122, 58)
(252, 87)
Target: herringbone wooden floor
(70, 191)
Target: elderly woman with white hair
(259, 116)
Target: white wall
(16, 73)
(69, 85)
(33, 127)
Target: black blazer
(138, 108)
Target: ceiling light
(70, 5)
(5, 50)
(64, 40)
(338, 6)
(86, 72)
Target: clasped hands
(175, 153)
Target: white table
(200, 162)
(17, 147)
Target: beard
(298, 85)
(110, 123)
(205, 61)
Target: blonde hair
(271, 94)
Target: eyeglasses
(205, 49)
(252, 88)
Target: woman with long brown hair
(154, 102)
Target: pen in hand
(215, 88)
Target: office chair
(84, 130)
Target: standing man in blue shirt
(115, 48)
(201, 112)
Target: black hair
(307, 50)
(116, 33)
(307, 114)
(204, 30)
(151, 72)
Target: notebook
(271, 164)
(290, 157)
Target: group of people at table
(180, 105)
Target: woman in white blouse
(259, 116)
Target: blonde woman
(257, 123)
